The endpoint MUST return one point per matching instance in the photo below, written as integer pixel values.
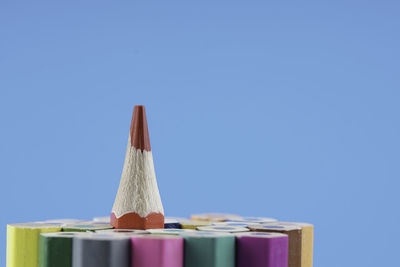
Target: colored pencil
(157, 251)
(55, 249)
(138, 204)
(101, 250)
(294, 234)
(22, 242)
(209, 249)
(258, 249)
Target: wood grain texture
(133, 220)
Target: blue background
(281, 109)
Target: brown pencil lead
(139, 130)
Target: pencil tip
(139, 131)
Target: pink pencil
(157, 250)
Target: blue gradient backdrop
(284, 109)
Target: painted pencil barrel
(258, 249)
(55, 249)
(22, 243)
(307, 244)
(101, 250)
(307, 241)
(171, 223)
(294, 234)
(211, 249)
(157, 250)
(189, 224)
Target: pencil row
(199, 242)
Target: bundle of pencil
(134, 235)
(220, 244)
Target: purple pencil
(258, 249)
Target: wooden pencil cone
(138, 203)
